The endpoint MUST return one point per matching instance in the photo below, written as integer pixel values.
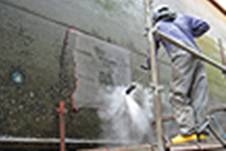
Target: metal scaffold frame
(155, 76)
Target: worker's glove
(147, 66)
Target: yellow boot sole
(181, 139)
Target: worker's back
(184, 28)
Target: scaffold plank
(145, 147)
(197, 147)
(40, 143)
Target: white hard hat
(161, 12)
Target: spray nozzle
(130, 89)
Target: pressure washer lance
(130, 89)
(132, 86)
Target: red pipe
(71, 29)
(61, 108)
(61, 112)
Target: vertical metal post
(154, 75)
(61, 111)
(69, 30)
(223, 59)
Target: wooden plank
(145, 147)
(53, 143)
(57, 141)
(197, 147)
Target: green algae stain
(116, 5)
(108, 4)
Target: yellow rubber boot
(180, 139)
